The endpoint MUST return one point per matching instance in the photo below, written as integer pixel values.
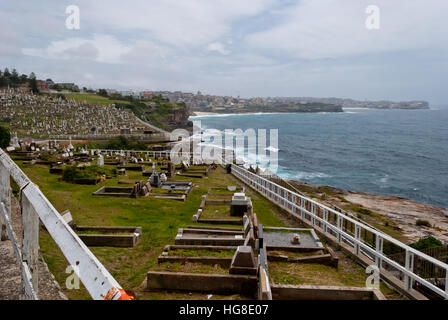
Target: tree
(5, 137)
(14, 76)
(102, 92)
(33, 83)
(23, 78)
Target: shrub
(91, 172)
(361, 210)
(424, 223)
(425, 243)
(5, 137)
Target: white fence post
(5, 197)
(409, 265)
(446, 283)
(357, 237)
(379, 251)
(326, 220)
(30, 244)
(339, 225)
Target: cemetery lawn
(93, 99)
(348, 273)
(159, 219)
(201, 253)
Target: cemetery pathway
(10, 273)
(151, 126)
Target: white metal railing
(298, 205)
(186, 156)
(153, 154)
(145, 137)
(35, 206)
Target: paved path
(10, 273)
(151, 126)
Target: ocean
(385, 152)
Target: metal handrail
(256, 180)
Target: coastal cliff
(275, 108)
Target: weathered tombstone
(243, 261)
(240, 205)
(100, 161)
(15, 141)
(171, 170)
(154, 179)
(67, 216)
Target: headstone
(240, 205)
(100, 161)
(171, 170)
(15, 141)
(243, 261)
(67, 216)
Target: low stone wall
(325, 259)
(88, 181)
(223, 262)
(208, 241)
(218, 202)
(309, 292)
(110, 240)
(245, 285)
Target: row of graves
(45, 116)
(69, 162)
(227, 251)
(157, 182)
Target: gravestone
(171, 170)
(243, 261)
(100, 161)
(240, 205)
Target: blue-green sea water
(386, 152)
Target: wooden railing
(34, 207)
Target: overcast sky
(318, 48)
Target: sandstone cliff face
(179, 118)
(405, 213)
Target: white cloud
(250, 47)
(332, 28)
(176, 22)
(101, 48)
(219, 47)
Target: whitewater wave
(271, 149)
(303, 175)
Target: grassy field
(93, 98)
(159, 219)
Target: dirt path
(10, 273)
